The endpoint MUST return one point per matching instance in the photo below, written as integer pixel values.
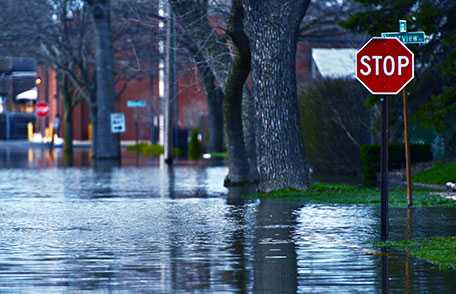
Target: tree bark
(238, 163)
(68, 117)
(248, 123)
(107, 145)
(215, 99)
(170, 86)
(215, 108)
(272, 27)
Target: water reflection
(275, 265)
(385, 271)
(403, 273)
(107, 228)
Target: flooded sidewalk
(148, 228)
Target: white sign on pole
(117, 123)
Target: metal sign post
(384, 66)
(407, 38)
(136, 104)
(384, 167)
(408, 160)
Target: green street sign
(136, 103)
(407, 37)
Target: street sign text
(384, 66)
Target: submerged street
(154, 229)
(229, 146)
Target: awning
(31, 94)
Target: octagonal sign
(385, 66)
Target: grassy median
(440, 251)
(344, 194)
(439, 174)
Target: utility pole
(170, 85)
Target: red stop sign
(385, 66)
(42, 109)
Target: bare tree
(210, 53)
(61, 36)
(239, 169)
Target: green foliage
(177, 152)
(152, 150)
(439, 174)
(194, 146)
(370, 164)
(147, 149)
(379, 16)
(440, 251)
(342, 194)
(370, 159)
(219, 155)
(433, 93)
(338, 188)
(334, 122)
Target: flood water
(151, 229)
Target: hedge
(370, 159)
(194, 146)
(332, 118)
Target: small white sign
(117, 123)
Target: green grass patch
(152, 150)
(439, 174)
(219, 155)
(440, 251)
(344, 194)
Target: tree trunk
(248, 122)
(215, 108)
(170, 86)
(215, 99)
(272, 27)
(94, 120)
(107, 143)
(237, 154)
(67, 117)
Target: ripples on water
(153, 229)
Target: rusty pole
(408, 167)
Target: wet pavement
(150, 229)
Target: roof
(31, 94)
(335, 63)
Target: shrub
(334, 124)
(370, 159)
(194, 146)
(177, 152)
(147, 149)
(370, 163)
